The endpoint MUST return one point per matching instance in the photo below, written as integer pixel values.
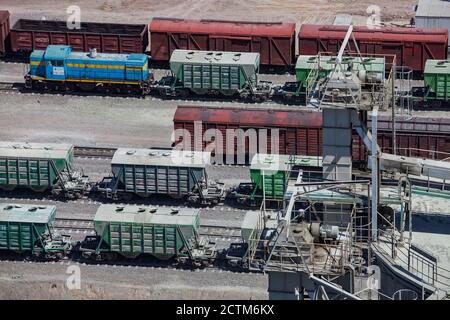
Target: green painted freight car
(28, 228)
(214, 72)
(161, 232)
(146, 172)
(270, 174)
(437, 80)
(40, 167)
(309, 69)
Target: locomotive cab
(54, 60)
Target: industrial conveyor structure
(337, 237)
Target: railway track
(74, 225)
(213, 231)
(8, 87)
(94, 152)
(220, 232)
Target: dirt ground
(141, 11)
(21, 280)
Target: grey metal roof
(109, 57)
(433, 8)
(35, 150)
(270, 162)
(215, 57)
(437, 66)
(165, 158)
(26, 213)
(147, 215)
(278, 162)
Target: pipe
(333, 287)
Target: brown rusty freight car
(412, 46)
(28, 35)
(300, 132)
(274, 41)
(4, 31)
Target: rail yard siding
(275, 42)
(412, 46)
(300, 132)
(29, 35)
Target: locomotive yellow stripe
(100, 66)
(91, 81)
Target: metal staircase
(414, 260)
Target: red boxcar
(411, 46)
(300, 132)
(28, 35)
(4, 31)
(274, 41)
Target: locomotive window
(56, 63)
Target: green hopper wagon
(146, 172)
(40, 167)
(214, 72)
(269, 174)
(28, 228)
(309, 69)
(437, 80)
(162, 232)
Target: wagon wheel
(38, 188)
(183, 93)
(227, 93)
(132, 256)
(59, 256)
(110, 256)
(7, 187)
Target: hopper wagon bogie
(41, 167)
(28, 228)
(164, 233)
(148, 172)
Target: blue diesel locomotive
(59, 68)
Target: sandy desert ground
(140, 11)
